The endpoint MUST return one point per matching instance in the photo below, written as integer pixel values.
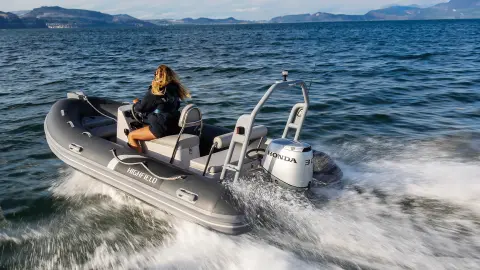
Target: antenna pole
(285, 75)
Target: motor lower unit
(290, 162)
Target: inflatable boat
(183, 174)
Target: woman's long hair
(164, 76)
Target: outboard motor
(290, 162)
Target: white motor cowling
(290, 162)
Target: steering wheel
(134, 115)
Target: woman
(160, 104)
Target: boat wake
(422, 206)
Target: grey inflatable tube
(193, 198)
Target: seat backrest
(191, 116)
(224, 140)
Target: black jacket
(162, 111)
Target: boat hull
(192, 197)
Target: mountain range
(11, 20)
(57, 17)
(454, 9)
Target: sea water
(396, 104)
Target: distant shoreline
(239, 24)
(58, 17)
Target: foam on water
(410, 204)
(78, 187)
(416, 201)
(402, 206)
(190, 246)
(435, 170)
(196, 248)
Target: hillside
(455, 9)
(20, 12)
(12, 21)
(393, 13)
(57, 17)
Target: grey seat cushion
(186, 141)
(216, 162)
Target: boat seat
(185, 141)
(218, 159)
(181, 148)
(224, 140)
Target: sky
(240, 9)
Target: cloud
(251, 9)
